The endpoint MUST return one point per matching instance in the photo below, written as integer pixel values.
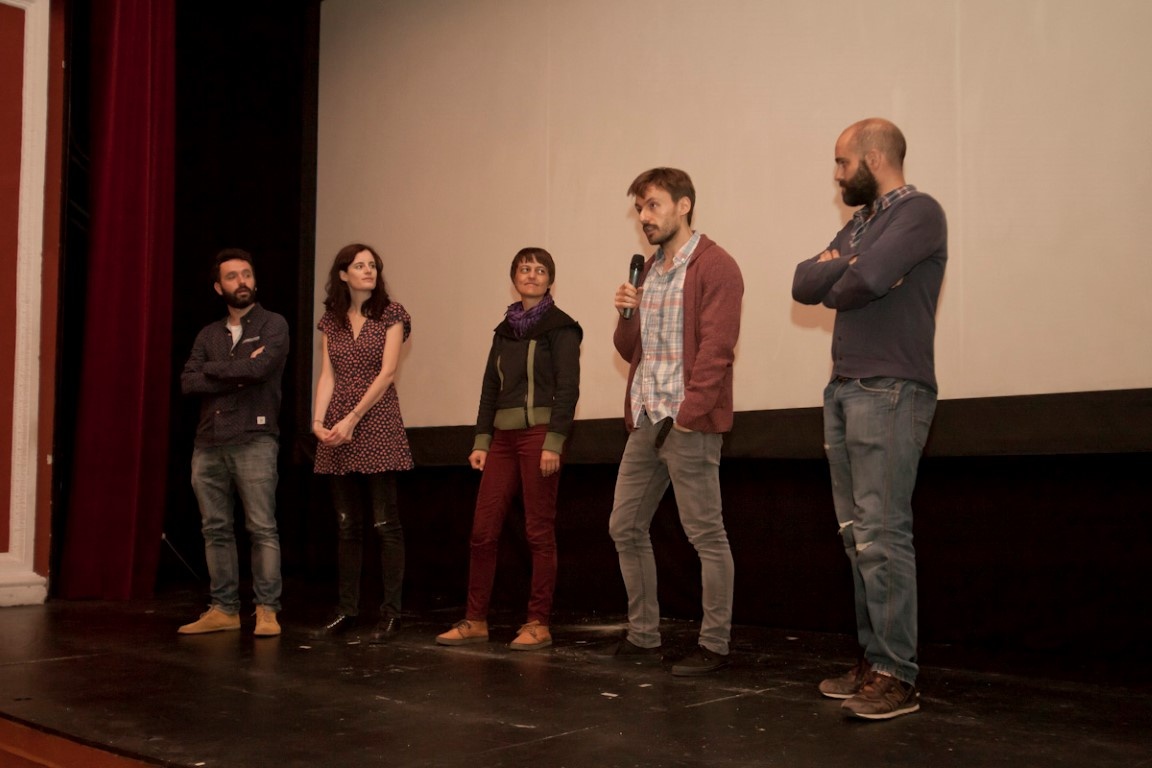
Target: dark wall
(1031, 511)
(1032, 553)
(245, 140)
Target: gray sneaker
(848, 684)
(883, 697)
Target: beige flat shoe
(533, 636)
(464, 632)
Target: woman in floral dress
(356, 418)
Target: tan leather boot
(266, 623)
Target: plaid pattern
(863, 216)
(658, 386)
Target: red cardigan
(713, 289)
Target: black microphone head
(635, 269)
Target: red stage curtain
(116, 499)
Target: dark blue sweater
(886, 301)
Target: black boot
(338, 625)
(386, 629)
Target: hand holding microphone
(634, 271)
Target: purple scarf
(523, 320)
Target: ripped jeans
(874, 434)
(353, 495)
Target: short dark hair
(674, 181)
(538, 255)
(230, 254)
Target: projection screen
(454, 132)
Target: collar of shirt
(682, 256)
(882, 203)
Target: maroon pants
(513, 466)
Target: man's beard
(240, 302)
(661, 236)
(861, 189)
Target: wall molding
(19, 582)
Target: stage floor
(116, 675)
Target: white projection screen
(454, 132)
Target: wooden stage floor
(113, 682)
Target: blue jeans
(691, 462)
(874, 434)
(217, 474)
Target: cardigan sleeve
(721, 292)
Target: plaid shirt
(863, 216)
(658, 386)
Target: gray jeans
(691, 462)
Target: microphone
(634, 270)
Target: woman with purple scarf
(527, 404)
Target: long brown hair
(339, 299)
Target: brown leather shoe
(532, 637)
(883, 697)
(464, 632)
(212, 620)
(848, 684)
